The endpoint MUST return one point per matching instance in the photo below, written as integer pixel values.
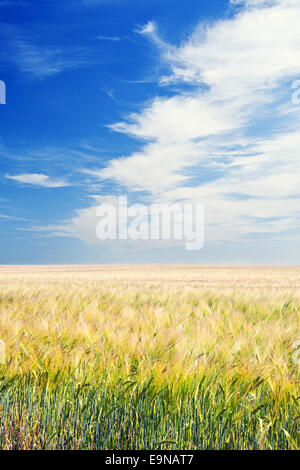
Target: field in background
(129, 357)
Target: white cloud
(236, 58)
(148, 28)
(232, 141)
(264, 3)
(39, 179)
(181, 118)
(155, 168)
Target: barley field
(149, 357)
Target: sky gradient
(160, 101)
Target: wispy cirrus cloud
(12, 3)
(33, 56)
(41, 61)
(5, 217)
(109, 38)
(39, 179)
(94, 3)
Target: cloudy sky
(162, 101)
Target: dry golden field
(132, 357)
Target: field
(153, 357)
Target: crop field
(152, 357)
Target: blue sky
(162, 101)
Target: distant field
(149, 357)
